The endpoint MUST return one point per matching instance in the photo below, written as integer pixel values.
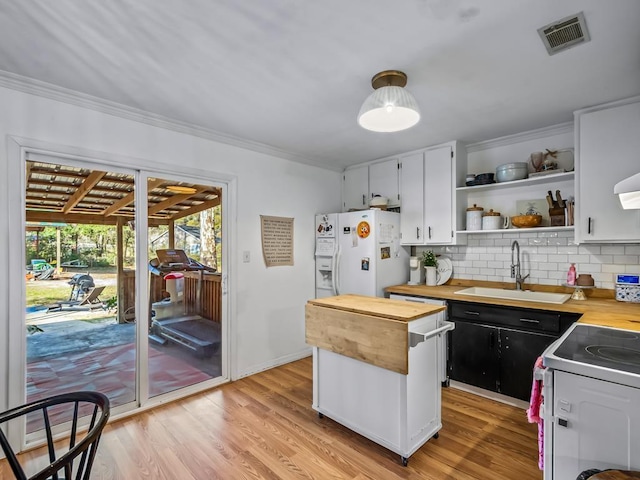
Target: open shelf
(542, 179)
(518, 230)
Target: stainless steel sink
(522, 295)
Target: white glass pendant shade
(389, 109)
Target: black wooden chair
(75, 404)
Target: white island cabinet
(376, 368)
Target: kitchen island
(375, 368)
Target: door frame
(17, 150)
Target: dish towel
(533, 413)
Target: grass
(41, 293)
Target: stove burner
(626, 356)
(621, 334)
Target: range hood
(629, 192)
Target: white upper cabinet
(362, 183)
(412, 194)
(355, 188)
(608, 151)
(438, 195)
(383, 181)
(427, 194)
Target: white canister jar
(474, 217)
(491, 220)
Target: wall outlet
(246, 256)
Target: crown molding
(521, 137)
(53, 92)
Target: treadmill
(200, 335)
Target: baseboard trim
(481, 392)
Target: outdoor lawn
(47, 292)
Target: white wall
(269, 315)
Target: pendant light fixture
(390, 108)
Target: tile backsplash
(544, 256)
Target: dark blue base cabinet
(495, 347)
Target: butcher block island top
(370, 329)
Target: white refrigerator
(359, 252)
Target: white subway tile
(625, 259)
(488, 257)
(579, 258)
(612, 249)
(548, 266)
(589, 268)
(557, 241)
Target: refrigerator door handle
(336, 271)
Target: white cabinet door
(596, 424)
(355, 188)
(438, 195)
(383, 180)
(609, 148)
(412, 199)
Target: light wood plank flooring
(263, 427)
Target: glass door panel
(185, 295)
(80, 282)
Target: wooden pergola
(64, 194)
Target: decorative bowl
(509, 172)
(526, 221)
(379, 202)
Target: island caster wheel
(436, 435)
(320, 415)
(405, 461)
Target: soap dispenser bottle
(571, 275)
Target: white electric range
(591, 401)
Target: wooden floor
(263, 427)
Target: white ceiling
(292, 74)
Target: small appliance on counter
(415, 272)
(628, 288)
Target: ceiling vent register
(565, 33)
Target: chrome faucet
(515, 266)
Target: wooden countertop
(378, 307)
(370, 329)
(597, 311)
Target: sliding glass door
(185, 321)
(123, 283)
(80, 269)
